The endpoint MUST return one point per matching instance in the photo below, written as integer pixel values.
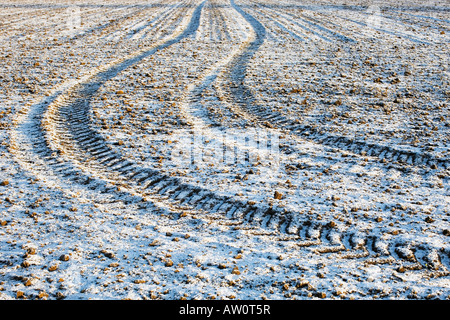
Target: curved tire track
(324, 234)
(242, 96)
(63, 141)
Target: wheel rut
(241, 95)
(59, 135)
(323, 236)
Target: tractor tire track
(322, 238)
(243, 97)
(28, 141)
(323, 235)
(58, 134)
(64, 133)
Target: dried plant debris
(224, 149)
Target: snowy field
(224, 149)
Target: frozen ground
(224, 150)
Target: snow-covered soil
(224, 149)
